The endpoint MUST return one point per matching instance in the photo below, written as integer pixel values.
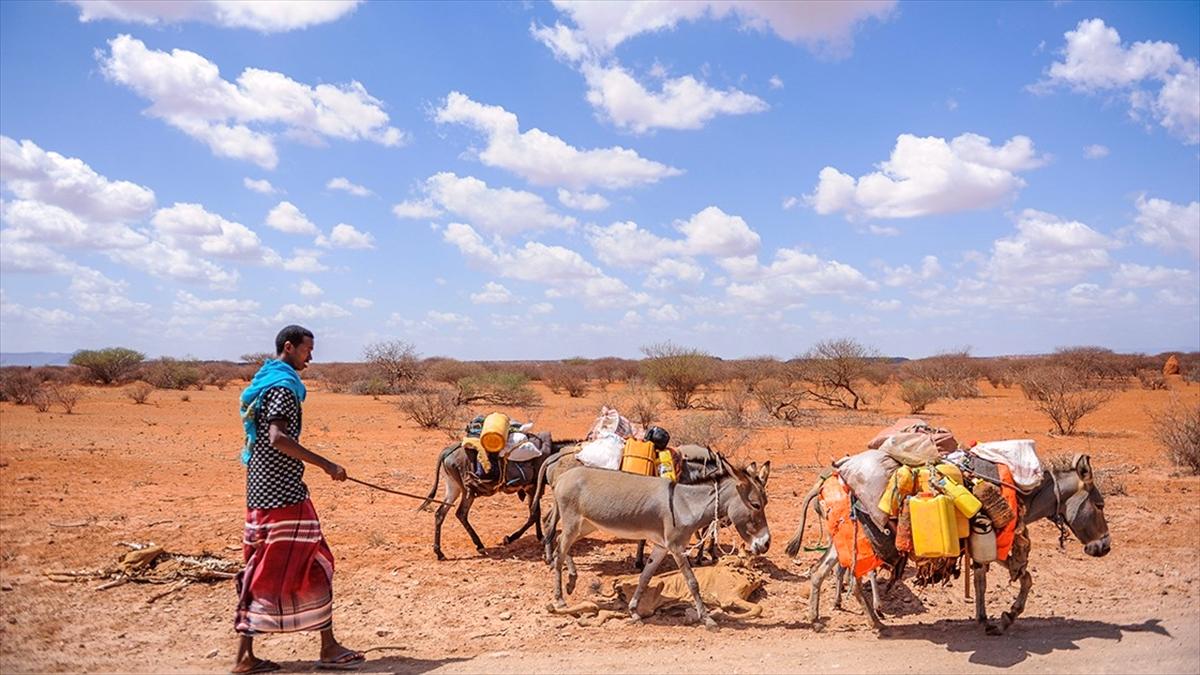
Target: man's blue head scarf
(274, 373)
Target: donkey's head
(1080, 506)
(748, 511)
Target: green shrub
(918, 394)
(497, 388)
(169, 373)
(108, 366)
(679, 371)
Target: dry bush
(219, 374)
(735, 401)
(781, 400)
(371, 386)
(18, 385)
(397, 362)
(337, 378)
(1153, 380)
(950, 375)
(497, 388)
(41, 399)
(435, 407)
(1059, 393)
(678, 370)
(108, 366)
(918, 394)
(754, 370)
(641, 403)
(833, 372)
(610, 370)
(1177, 428)
(880, 372)
(1189, 366)
(571, 378)
(65, 395)
(140, 392)
(169, 373)
(256, 359)
(1099, 366)
(449, 371)
(705, 430)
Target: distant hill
(34, 359)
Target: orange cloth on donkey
(1004, 538)
(835, 497)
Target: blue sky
(537, 180)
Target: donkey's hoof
(439, 554)
(481, 551)
(507, 540)
(818, 626)
(993, 629)
(711, 623)
(571, 580)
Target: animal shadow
(1029, 635)
(386, 664)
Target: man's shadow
(391, 663)
(1029, 635)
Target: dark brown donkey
(458, 464)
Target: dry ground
(168, 472)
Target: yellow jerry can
(638, 457)
(934, 526)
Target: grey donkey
(1067, 496)
(664, 513)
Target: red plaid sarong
(287, 583)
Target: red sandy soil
(168, 472)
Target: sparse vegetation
(435, 407)
(169, 373)
(112, 365)
(571, 378)
(781, 400)
(833, 372)
(949, 375)
(1059, 393)
(140, 392)
(679, 371)
(642, 403)
(497, 388)
(65, 395)
(19, 385)
(1177, 429)
(735, 401)
(397, 362)
(1152, 379)
(918, 394)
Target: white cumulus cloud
(1095, 151)
(242, 119)
(582, 201)
(345, 235)
(1169, 226)
(1046, 250)
(265, 16)
(345, 185)
(492, 294)
(1154, 77)
(926, 176)
(286, 217)
(261, 186)
(502, 211)
(544, 159)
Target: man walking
(286, 584)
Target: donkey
(664, 513)
(458, 466)
(566, 460)
(1067, 496)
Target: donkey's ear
(751, 469)
(1083, 466)
(765, 472)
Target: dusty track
(168, 473)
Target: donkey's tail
(437, 476)
(540, 484)
(793, 546)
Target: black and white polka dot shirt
(272, 478)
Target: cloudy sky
(536, 180)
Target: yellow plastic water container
(966, 503)
(934, 530)
(639, 457)
(495, 432)
(666, 465)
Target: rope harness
(1058, 518)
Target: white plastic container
(982, 543)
